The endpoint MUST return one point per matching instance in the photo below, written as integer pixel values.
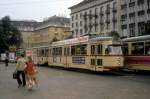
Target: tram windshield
(114, 50)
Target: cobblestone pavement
(63, 84)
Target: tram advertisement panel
(137, 60)
(78, 60)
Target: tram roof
(138, 38)
(101, 38)
(80, 40)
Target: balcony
(102, 22)
(141, 19)
(114, 19)
(132, 20)
(142, 7)
(102, 13)
(148, 11)
(131, 4)
(114, 10)
(107, 20)
(107, 11)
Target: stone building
(95, 17)
(42, 33)
(134, 15)
(53, 29)
(26, 28)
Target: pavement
(64, 84)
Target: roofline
(138, 38)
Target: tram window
(107, 51)
(53, 51)
(46, 53)
(138, 48)
(66, 51)
(83, 49)
(57, 51)
(92, 61)
(92, 49)
(125, 49)
(50, 52)
(73, 50)
(147, 48)
(78, 49)
(99, 49)
(99, 61)
(60, 51)
(41, 52)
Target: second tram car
(137, 52)
(96, 54)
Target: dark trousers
(23, 81)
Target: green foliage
(115, 35)
(9, 35)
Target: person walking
(6, 61)
(20, 68)
(31, 80)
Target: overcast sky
(35, 9)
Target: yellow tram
(96, 54)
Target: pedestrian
(6, 61)
(20, 68)
(30, 73)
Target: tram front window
(138, 48)
(114, 50)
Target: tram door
(57, 53)
(96, 59)
(66, 54)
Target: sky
(35, 9)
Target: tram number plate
(78, 60)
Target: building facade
(43, 33)
(134, 15)
(53, 29)
(26, 29)
(95, 17)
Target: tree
(9, 35)
(115, 35)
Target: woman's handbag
(15, 75)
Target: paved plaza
(63, 84)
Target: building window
(132, 29)
(141, 13)
(140, 2)
(80, 15)
(124, 17)
(148, 4)
(123, 6)
(77, 24)
(72, 25)
(80, 23)
(81, 31)
(131, 4)
(72, 18)
(76, 16)
(141, 28)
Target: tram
(137, 52)
(96, 54)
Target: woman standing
(30, 73)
